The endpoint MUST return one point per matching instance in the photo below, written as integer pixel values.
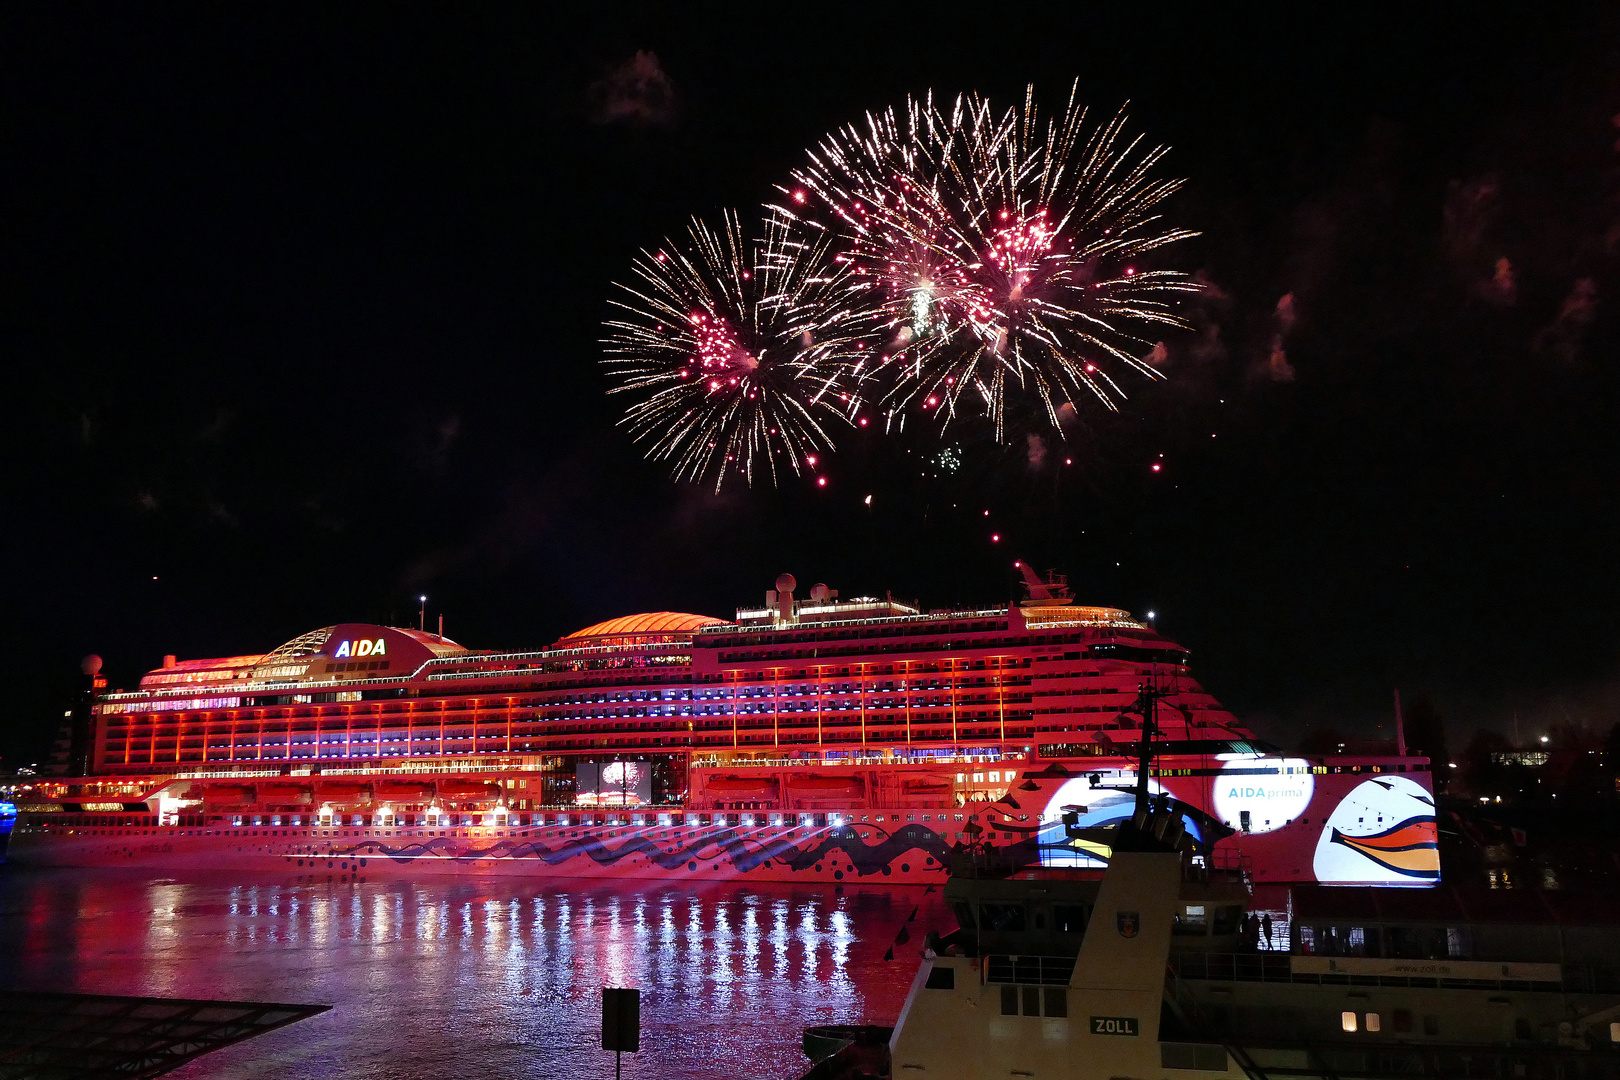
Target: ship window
(1057, 1001)
(1007, 918)
(1069, 918)
(1009, 1001)
(1403, 1019)
(1191, 920)
(1373, 1023)
(1032, 1000)
(1347, 1020)
(941, 978)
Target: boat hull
(1291, 821)
(832, 855)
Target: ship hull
(766, 854)
(1295, 822)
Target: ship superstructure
(813, 738)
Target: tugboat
(1153, 969)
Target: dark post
(621, 1023)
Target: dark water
(476, 977)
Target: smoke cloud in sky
(1500, 287)
(1563, 337)
(1037, 452)
(635, 93)
(1278, 369)
(1470, 210)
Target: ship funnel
(1052, 591)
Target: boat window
(1373, 1023)
(1228, 918)
(1007, 918)
(1032, 1000)
(1057, 1001)
(1009, 1001)
(1416, 943)
(1347, 1020)
(941, 978)
(1069, 918)
(1191, 920)
(1193, 1056)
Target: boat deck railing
(1277, 967)
(1029, 970)
(1463, 1062)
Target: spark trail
(733, 353)
(992, 259)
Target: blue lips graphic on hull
(744, 854)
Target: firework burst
(991, 257)
(733, 352)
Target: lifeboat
(336, 791)
(468, 789)
(228, 794)
(281, 794)
(825, 787)
(402, 789)
(727, 785)
(928, 785)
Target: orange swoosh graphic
(1410, 848)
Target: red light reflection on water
(487, 976)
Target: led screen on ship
(613, 783)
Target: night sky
(302, 310)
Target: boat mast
(1147, 705)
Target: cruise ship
(812, 739)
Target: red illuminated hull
(757, 854)
(1358, 822)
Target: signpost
(621, 1023)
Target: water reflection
(483, 976)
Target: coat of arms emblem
(1128, 922)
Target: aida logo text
(1259, 792)
(363, 647)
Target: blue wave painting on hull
(866, 859)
